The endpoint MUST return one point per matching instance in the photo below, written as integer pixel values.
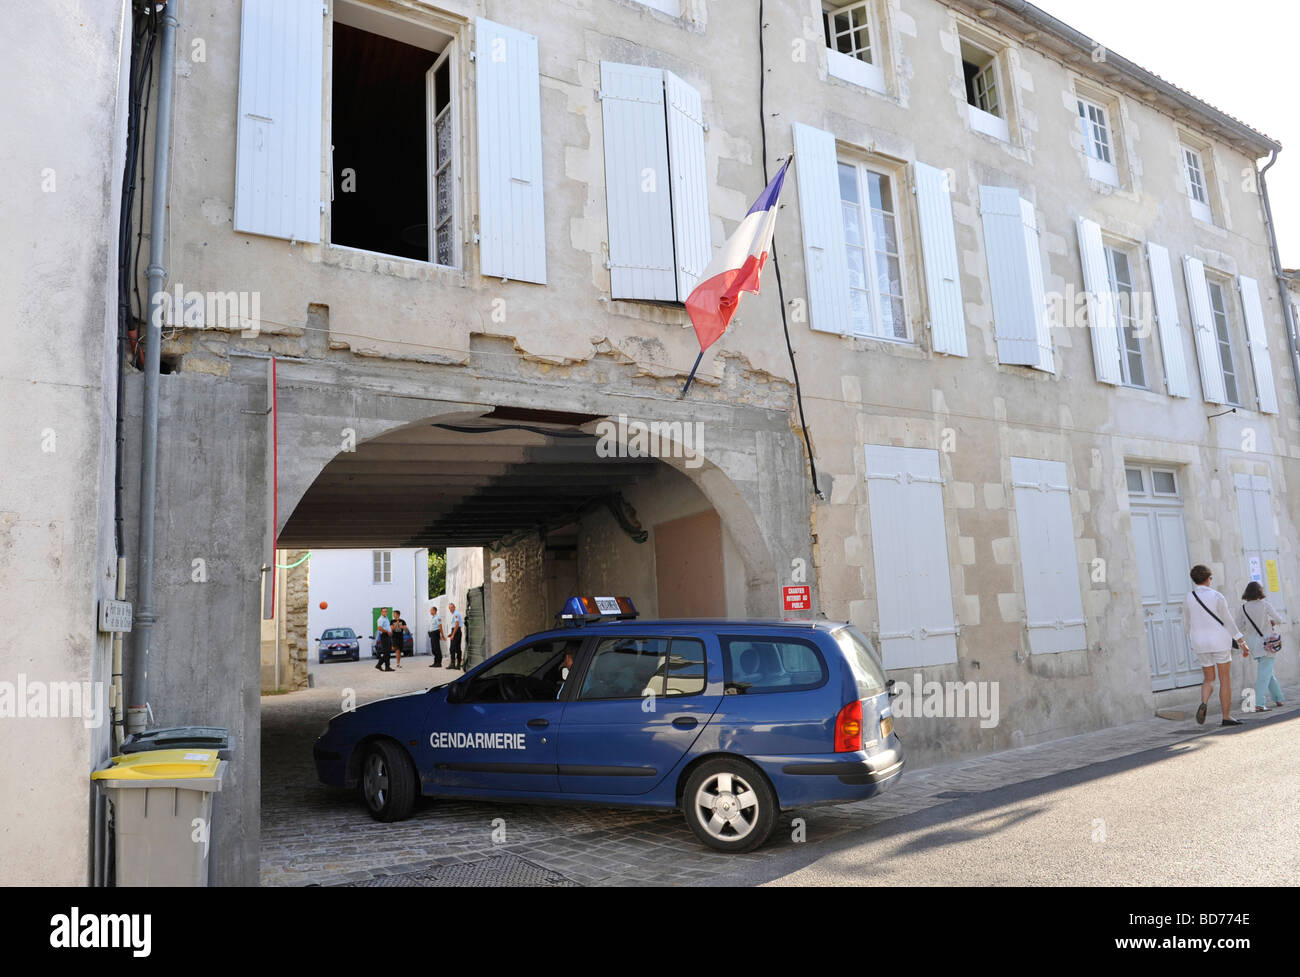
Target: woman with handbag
(1205, 615)
(1256, 614)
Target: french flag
(735, 269)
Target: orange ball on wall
(323, 605)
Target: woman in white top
(1211, 632)
(1258, 619)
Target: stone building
(427, 263)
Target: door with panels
(1259, 541)
(910, 548)
(1160, 537)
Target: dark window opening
(380, 160)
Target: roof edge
(1043, 21)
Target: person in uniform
(435, 636)
(456, 637)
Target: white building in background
(352, 583)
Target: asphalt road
(1213, 809)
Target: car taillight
(848, 728)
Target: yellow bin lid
(161, 765)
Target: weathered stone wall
(297, 641)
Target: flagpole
(692, 376)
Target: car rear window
(767, 664)
(866, 666)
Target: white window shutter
(942, 269)
(1037, 293)
(637, 183)
(1207, 346)
(1257, 337)
(1101, 310)
(824, 256)
(1048, 556)
(690, 183)
(910, 550)
(1177, 383)
(1013, 304)
(278, 135)
(511, 216)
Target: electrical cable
(776, 264)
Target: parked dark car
(338, 643)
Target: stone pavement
(313, 835)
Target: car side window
(755, 665)
(630, 668)
(525, 661)
(533, 673)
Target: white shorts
(1208, 659)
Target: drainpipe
(1287, 313)
(138, 671)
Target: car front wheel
(387, 782)
(729, 805)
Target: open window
(853, 43)
(394, 133)
(1196, 179)
(981, 71)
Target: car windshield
(862, 659)
(338, 633)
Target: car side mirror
(456, 693)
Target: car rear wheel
(387, 782)
(729, 805)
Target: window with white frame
(981, 73)
(381, 566)
(853, 43)
(1098, 141)
(1198, 186)
(872, 251)
(980, 69)
(1223, 338)
(1119, 270)
(673, 8)
(393, 137)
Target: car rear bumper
(832, 778)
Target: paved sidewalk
(314, 835)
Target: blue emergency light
(581, 610)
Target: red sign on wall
(796, 598)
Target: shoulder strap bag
(1273, 643)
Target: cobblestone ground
(314, 835)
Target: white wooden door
(1160, 537)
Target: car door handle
(686, 722)
(538, 723)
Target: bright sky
(1242, 57)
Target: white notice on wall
(1256, 571)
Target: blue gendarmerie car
(728, 721)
